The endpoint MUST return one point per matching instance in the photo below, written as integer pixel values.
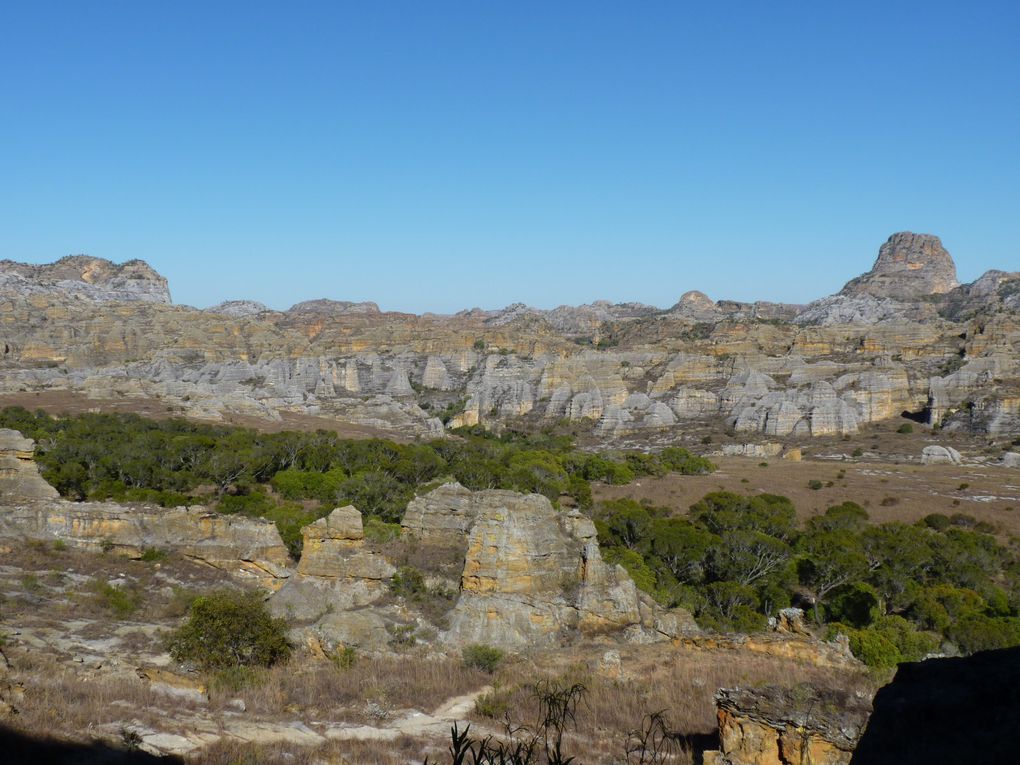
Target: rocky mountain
(902, 338)
(908, 266)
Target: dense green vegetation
(899, 591)
(293, 478)
(227, 630)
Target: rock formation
(776, 726)
(909, 266)
(336, 573)
(19, 476)
(901, 338)
(532, 574)
(31, 509)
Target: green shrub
(905, 428)
(483, 657)
(122, 601)
(815, 485)
(408, 582)
(230, 629)
(345, 658)
(379, 531)
(494, 705)
(979, 632)
(150, 554)
(874, 648)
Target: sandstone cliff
(901, 338)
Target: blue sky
(438, 156)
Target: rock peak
(909, 266)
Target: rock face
(31, 509)
(19, 476)
(909, 266)
(775, 726)
(89, 278)
(533, 574)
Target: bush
(121, 601)
(409, 583)
(483, 657)
(905, 428)
(874, 649)
(380, 531)
(230, 629)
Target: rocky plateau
(903, 338)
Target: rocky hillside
(903, 338)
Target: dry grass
(370, 691)
(916, 490)
(660, 678)
(401, 751)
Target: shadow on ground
(16, 748)
(963, 710)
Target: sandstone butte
(904, 337)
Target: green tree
(830, 560)
(229, 629)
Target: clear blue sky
(437, 156)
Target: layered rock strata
(777, 726)
(533, 574)
(30, 509)
(901, 338)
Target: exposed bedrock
(903, 337)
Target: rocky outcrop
(951, 710)
(533, 574)
(84, 277)
(778, 726)
(239, 308)
(249, 547)
(19, 476)
(908, 266)
(31, 509)
(336, 572)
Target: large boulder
(533, 574)
(940, 455)
(336, 572)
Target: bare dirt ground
(60, 402)
(886, 489)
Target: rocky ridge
(903, 338)
(31, 510)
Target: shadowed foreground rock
(947, 711)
